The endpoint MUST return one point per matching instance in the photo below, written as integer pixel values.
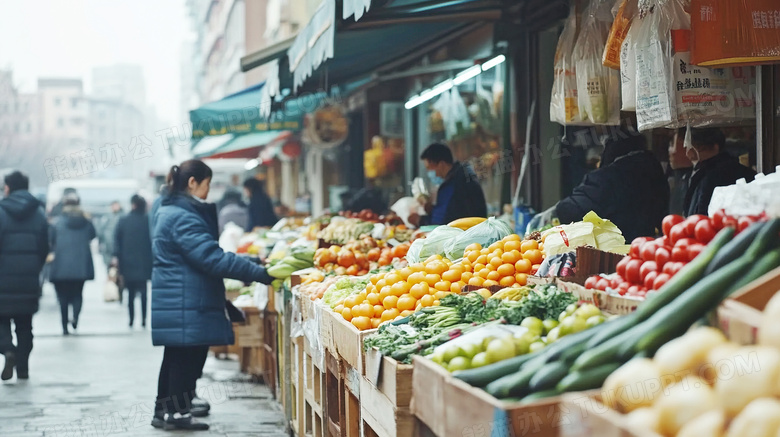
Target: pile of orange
(399, 293)
(507, 262)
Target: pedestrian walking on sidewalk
(72, 265)
(133, 250)
(188, 293)
(25, 245)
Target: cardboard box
(608, 303)
(450, 407)
(740, 315)
(249, 333)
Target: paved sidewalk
(103, 380)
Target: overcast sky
(58, 38)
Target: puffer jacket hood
(20, 204)
(74, 217)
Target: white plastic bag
(485, 233)
(230, 238)
(110, 291)
(563, 102)
(405, 206)
(598, 87)
(628, 59)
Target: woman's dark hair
(437, 152)
(254, 185)
(138, 202)
(179, 176)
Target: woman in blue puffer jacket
(188, 294)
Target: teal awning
(238, 114)
(246, 146)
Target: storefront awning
(247, 146)
(208, 145)
(240, 113)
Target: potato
(750, 373)
(642, 419)
(634, 385)
(769, 328)
(687, 353)
(682, 402)
(709, 424)
(760, 418)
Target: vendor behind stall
(629, 188)
(459, 194)
(712, 167)
(679, 172)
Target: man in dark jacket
(712, 167)
(25, 245)
(261, 209)
(133, 250)
(679, 172)
(459, 194)
(629, 189)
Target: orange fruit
(476, 247)
(523, 266)
(453, 274)
(361, 323)
(346, 313)
(455, 287)
(507, 281)
(534, 255)
(392, 278)
(512, 237)
(497, 245)
(370, 288)
(351, 301)
(476, 281)
(443, 285)
(496, 254)
(512, 245)
(511, 257)
(489, 283)
(440, 294)
(416, 278)
(372, 298)
(399, 289)
(427, 300)
(472, 256)
(366, 309)
(529, 245)
(466, 276)
(375, 323)
(506, 270)
(405, 272)
(378, 310)
(406, 303)
(339, 308)
(390, 302)
(381, 284)
(496, 261)
(419, 290)
(432, 279)
(406, 313)
(374, 279)
(417, 267)
(390, 314)
(521, 278)
(491, 267)
(482, 259)
(494, 276)
(478, 267)
(436, 303)
(484, 251)
(436, 268)
(483, 273)
(435, 257)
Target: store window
(468, 118)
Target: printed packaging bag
(563, 103)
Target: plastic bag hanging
(563, 102)
(624, 12)
(628, 58)
(598, 87)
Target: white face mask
(690, 151)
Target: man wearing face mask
(459, 194)
(679, 172)
(712, 167)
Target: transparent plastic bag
(413, 254)
(436, 242)
(563, 102)
(598, 87)
(485, 233)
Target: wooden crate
(253, 361)
(271, 357)
(250, 332)
(450, 407)
(343, 338)
(586, 416)
(314, 392)
(297, 386)
(740, 315)
(608, 303)
(391, 378)
(380, 417)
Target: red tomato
(680, 254)
(677, 233)
(692, 221)
(590, 283)
(647, 267)
(694, 250)
(676, 267)
(685, 242)
(704, 231)
(602, 284)
(637, 244)
(647, 251)
(623, 288)
(650, 279)
(660, 281)
(730, 221)
(662, 256)
(632, 271)
(717, 219)
(743, 223)
(669, 221)
(663, 242)
(633, 290)
(621, 266)
(614, 282)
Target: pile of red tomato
(652, 262)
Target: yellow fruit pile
(507, 262)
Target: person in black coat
(712, 167)
(69, 238)
(25, 245)
(459, 194)
(629, 188)
(679, 173)
(133, 250)
(261, 209)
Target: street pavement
(102, 380)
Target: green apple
(469, 350)
(536, 346)
(571, 324)
(594, 320)
(486, 341)
(479, 360)
(587, 311)
(451, 352)
(459, 363)
(553, 335)
(500, 349)
(549, 324)
(533, 324)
